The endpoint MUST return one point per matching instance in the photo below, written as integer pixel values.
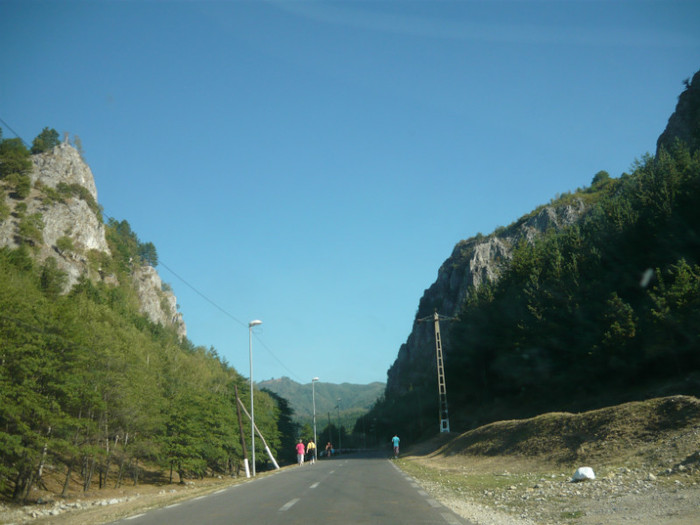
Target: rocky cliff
(684, 123)
(60, 218)
(478, 260)
(473, 262)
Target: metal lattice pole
(442, 387)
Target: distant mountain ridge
(355, 400)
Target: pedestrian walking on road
(300, 452)
(311, 451)
(395, 441)
(329, 449)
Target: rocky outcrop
(481, 259)
(57, 216)
(160, 305)
(684, 124)
(63, 164)
(473, 262)
(61, 218)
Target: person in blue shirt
(395, 441)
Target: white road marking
(315, 485)
(449, 518)
(288, 505)
(137, 516)
(434, 503)
(423, 493)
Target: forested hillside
(91, 388)
(604, 310)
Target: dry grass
(630, 434)
(507, 464)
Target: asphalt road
(342, 490)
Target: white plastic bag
(583, 474)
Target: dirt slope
(646, 457)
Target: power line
(202, 295)
(13, 131)
(278, 360)
(225, 312)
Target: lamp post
(252, 410)
(340, 443)
(313, 398)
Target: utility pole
(240, 426)
(442, 387)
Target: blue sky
(312, 164)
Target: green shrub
(4, 209)
(64, 244)
(20, 183)
(31, 227)
(81, 192)
(46, 140)
(14, 158)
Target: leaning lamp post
(252, 410)
(313, 399)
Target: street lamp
(340, 443)
(252, 410)
(313, 398)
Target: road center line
(315, 485)
(288, 505)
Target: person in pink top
(300, 452)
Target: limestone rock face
(473, 262)
(160, 305)
(63, 164)
(63, 205)
(73, 218)
(70, 217)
